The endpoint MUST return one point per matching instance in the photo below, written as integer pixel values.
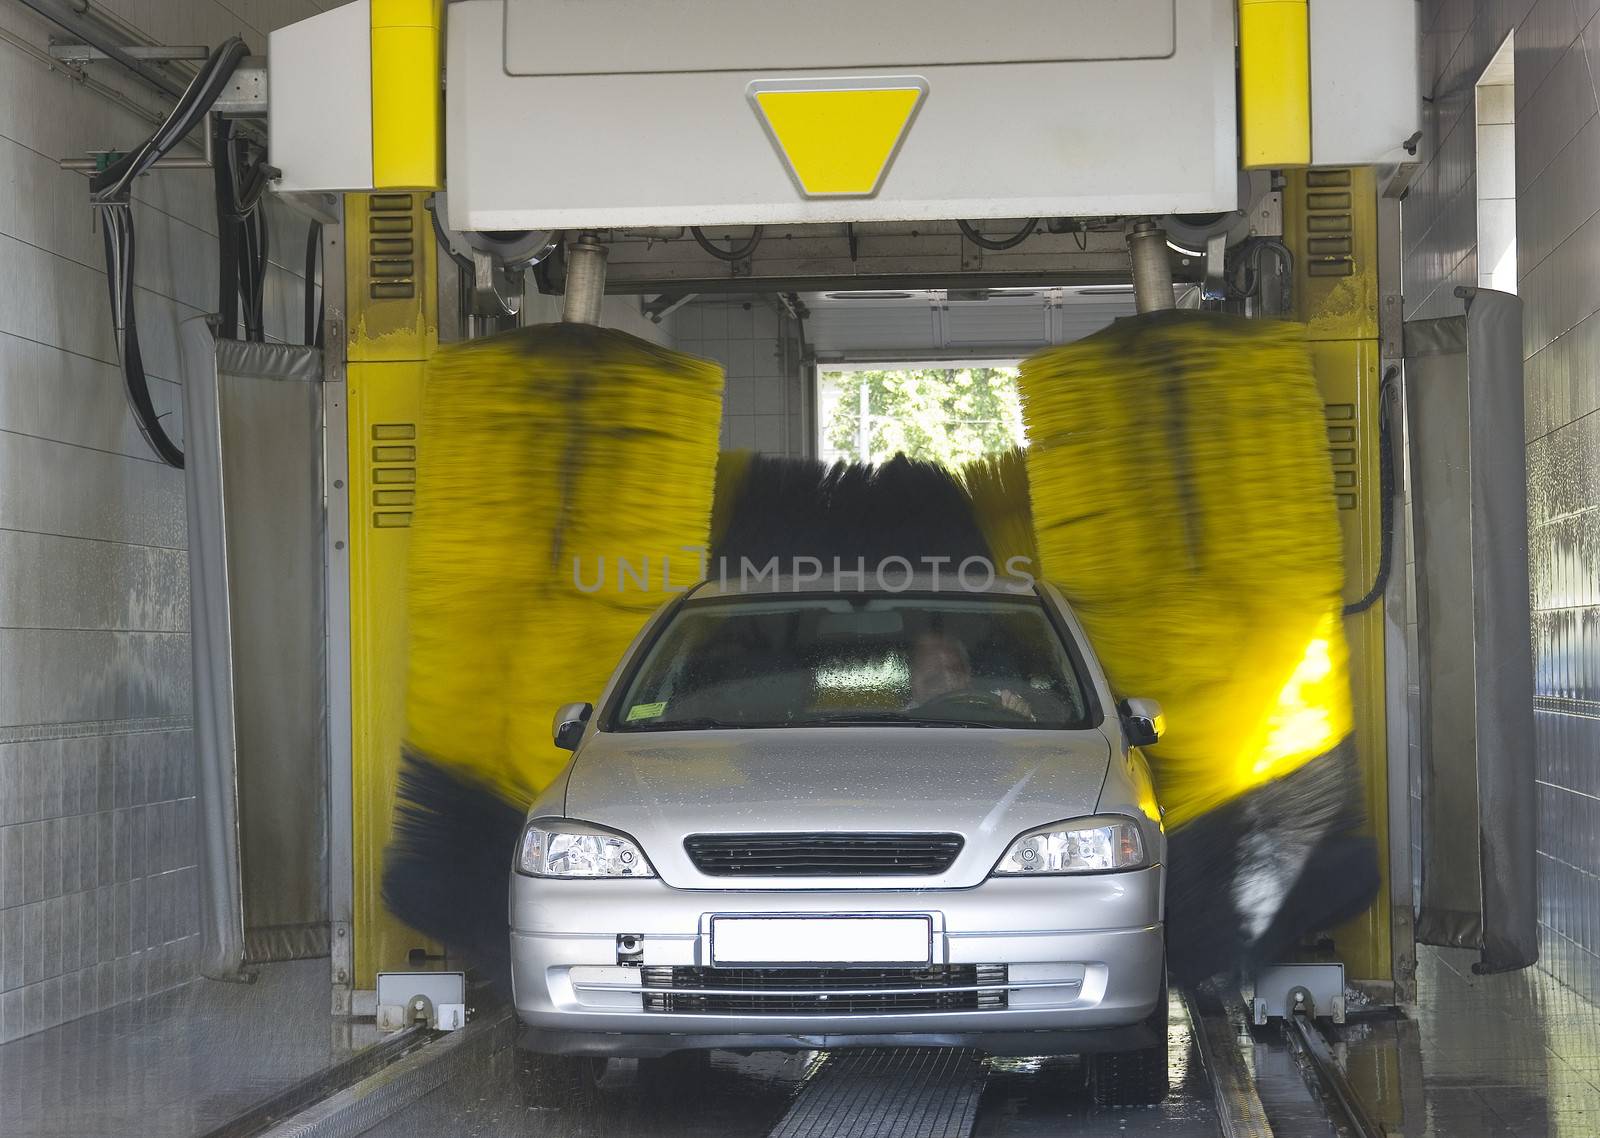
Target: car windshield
(973, 661)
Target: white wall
(761, 407)
(98, 879)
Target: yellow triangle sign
(838, 141)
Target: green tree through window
(945, 415)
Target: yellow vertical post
(1274, 83)
(406, 94)
(391, 299)
(1331, 227)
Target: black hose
(227, 231)
(982, 242)
(117, 229)
(722, 254)
(314, 299)
(1386, 483)
(111, 191)
(192, 106)
(240, 181)
(260, 253)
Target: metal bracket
(1267, 219)
(496, 290)
(72, 52)
(664, 305)
(1315, 989)
(1216, 279)
(342, 967)
(437, 999)
(246, 92)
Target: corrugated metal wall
(1557, 65)
(936, 326)
(98, 879)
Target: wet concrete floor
(734, 1096)
(1515, 1055)
(179, 1063)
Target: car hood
(986, 785)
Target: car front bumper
(1084, 955)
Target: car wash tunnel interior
(896, 570)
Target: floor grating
(889, 1093)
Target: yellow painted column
(407, 104)
(1274, 83)
(1331, 226)
(391, 297)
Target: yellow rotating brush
(1182, 499)
(553, 460)
(997, 486)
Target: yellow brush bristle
(549, 456)
(997, 485)
(1182, 499)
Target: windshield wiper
(701, 724)
(855, 719)
(900, 719)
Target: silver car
(808, 818)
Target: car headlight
(551, 848)
(1089, 845)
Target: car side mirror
(571, 718)
(1143, 722)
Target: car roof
(894, 583)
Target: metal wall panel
(668, 124)
(1564, 195)
(1553, 114)
(1558, 144)
(46, 487)
(1364, 98)
(62, 583)
(717, 35)
(1562, 287)
(99, 876)
(86, 407)
(874, 325)
(934, 325)
(1025, 323)
(64, 677)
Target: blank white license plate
(821, 940)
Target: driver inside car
(940, 667)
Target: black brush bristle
(447, 870)
(800, 507)
(1250, 880)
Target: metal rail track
(1240, 1113)
(1353, 1117)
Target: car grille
(822, 855)
(824, 991)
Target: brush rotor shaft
(1152, 270)
(586, 281)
